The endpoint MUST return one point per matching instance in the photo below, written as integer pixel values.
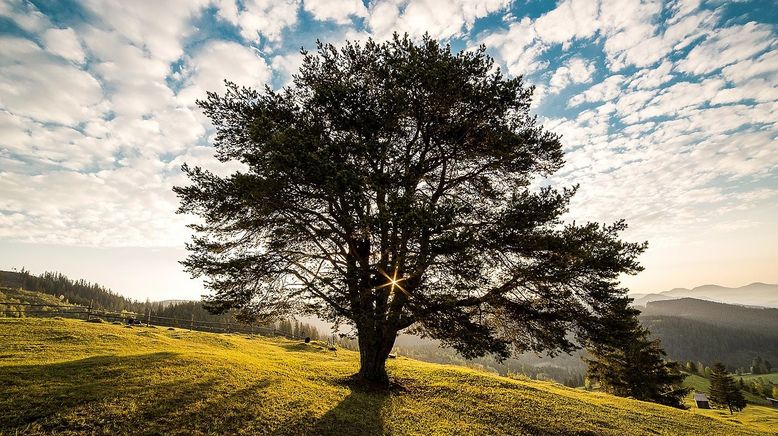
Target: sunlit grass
(74, 377)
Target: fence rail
(17, 310)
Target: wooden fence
(88, 313)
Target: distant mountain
(707, 331)
(755, 294)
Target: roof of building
(700, 397)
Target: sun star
(393, 282)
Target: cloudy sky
(669, 112)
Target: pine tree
(724, 392)
(631, 364)
(390, 187)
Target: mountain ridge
(753, 294)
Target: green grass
(69, 376)
(772, 377)
(11, 295)
(702, 384)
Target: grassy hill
(702, 384)
(10, 299)
(74, 377)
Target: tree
(631, 364)
(775, 391)
(724, 392)
(390, 187)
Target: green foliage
(724, 392)
(631, 364)
(390, 187)
(105, 379)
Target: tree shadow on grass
(93, 395)
(360, 413)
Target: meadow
(69, 376)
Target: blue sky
(669, 112)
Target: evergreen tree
(724, 392)
(390, 187)
(631, 364)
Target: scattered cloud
(576, 70)
(667, 109)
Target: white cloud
(607, 90)
(260, 18)
(569, 20)
(27, 86)
(24, 15)
(765, 66)
(517, 47)
(727, 46)
(441, 20)
(288, 64)
(576, 70)
(64, 43)
(154, 26)
(652, 77)
(339, 11)
(220, 60)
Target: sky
(668, 111)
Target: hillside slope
(74, 377)
(706, 331)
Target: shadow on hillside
(77, 395)
(360, 413)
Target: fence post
(89, 310)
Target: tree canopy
(400, 185)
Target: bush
(95, 320)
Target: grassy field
(69, 376)
(702, 384)
(772, 377)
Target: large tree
(627, 362)
(399, 185)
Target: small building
(773, 402)
(701, 401)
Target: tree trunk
(373, 352)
